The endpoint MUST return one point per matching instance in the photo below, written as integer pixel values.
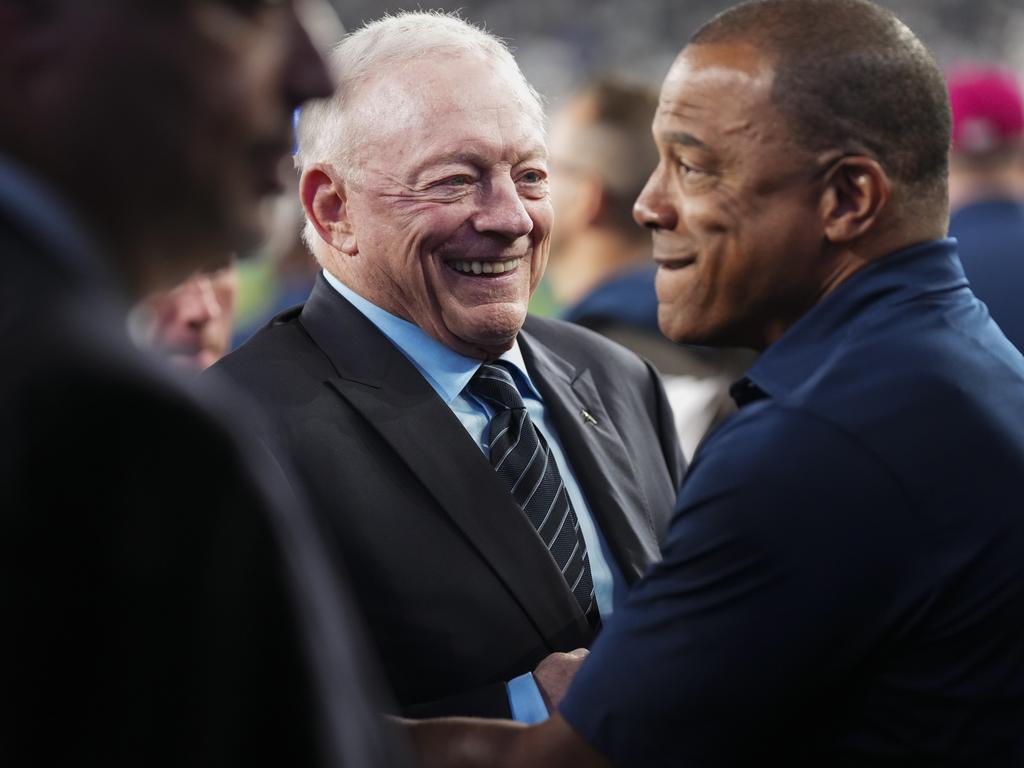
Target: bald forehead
(722, 78)
(719, 99)
(725, 63)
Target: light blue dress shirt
(448, 373)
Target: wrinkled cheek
(538, 264)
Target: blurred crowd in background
(599, 79)
(562, 47)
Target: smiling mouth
(484, 267)
(676, 263)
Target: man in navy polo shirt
(986, 162)
(843, 580)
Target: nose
(654, 208)
(307, 75)
(502, 211)
(199, 303)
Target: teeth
(484, 267)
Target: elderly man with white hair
(494, 482)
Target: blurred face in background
(164, 122)
(575, 188)
(191, 324)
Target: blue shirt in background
(990, 237)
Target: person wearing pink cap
(987, 205)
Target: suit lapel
(379, 382)
(596, 451)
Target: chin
(479, 344)
(490, 325)
(683, 333)
(672, 329)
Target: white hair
(323, 135)
(325, 132)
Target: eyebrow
(682, 138)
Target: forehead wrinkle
(479, 152)
(697, 85)
(460, 156)
(681, 138)
(731, 118)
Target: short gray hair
(323, 135)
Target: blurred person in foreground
(987, 203)
(842, 582)
(494, 482)
(165, 601)
(601, 268)
(280, 272)
(190, 324)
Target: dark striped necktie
(522, 459)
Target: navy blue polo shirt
(990, 236)
(843, 580)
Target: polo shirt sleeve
(777, 576)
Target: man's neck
(966, 188)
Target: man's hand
(555, 673)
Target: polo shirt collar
(868, 298)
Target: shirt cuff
(525, 701)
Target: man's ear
(856, 192)
(325, 201)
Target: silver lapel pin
(587, 417)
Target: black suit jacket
(163, 602)
(459, 591)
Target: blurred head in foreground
(160, 123)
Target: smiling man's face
(448, 202)
(733, 204)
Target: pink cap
(988, 108)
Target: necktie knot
(494, 384)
